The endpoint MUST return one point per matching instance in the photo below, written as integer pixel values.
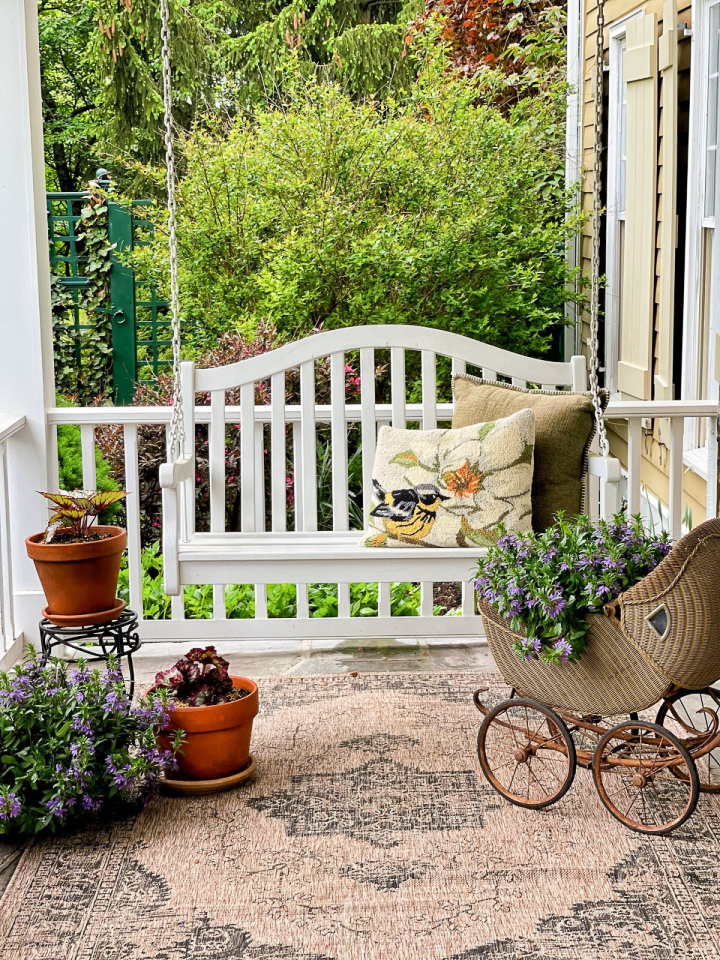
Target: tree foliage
(445, 211)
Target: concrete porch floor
(271, 658)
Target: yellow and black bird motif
(409, 514)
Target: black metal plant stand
(119, 638)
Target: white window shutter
(638, 299)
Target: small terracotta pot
(79, 578)
(217, 738)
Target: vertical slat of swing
(428, 367)
(260, 588)
(297, 478)
(367, 424)
(338, 442)
(677, 425)
(177, 604)
(217, 480)
(634, 460)
(247, 457)
(278, 454)
(397, 386)
(308, 443)
(368, 427)
(132, 506)
(519, 382)
(489, 374)
(87, 446)
(308, 467)
(339, 453)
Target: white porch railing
(8, 627)
(176, 626)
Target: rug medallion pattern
(368, 834)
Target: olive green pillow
(564, 429)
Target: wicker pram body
(661, 635)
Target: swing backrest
(286, 480)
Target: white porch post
(26, 373)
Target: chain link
(177, 422)
(596, 215)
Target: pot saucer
(86, 619)
(201, 787)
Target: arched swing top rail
(463, 350)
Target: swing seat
(281, 440)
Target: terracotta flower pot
(79, 578)
(217, 738)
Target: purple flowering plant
(545, 584)
(73, 744)
(199, 679)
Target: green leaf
(405, 459)
(485, 429)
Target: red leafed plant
(487, 33)
(199, 679)
(75, 510)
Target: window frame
(698, 271)
(614, 217)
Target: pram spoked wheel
(692, 716)
(645, 777)
(526, 752)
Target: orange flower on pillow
(464, 481)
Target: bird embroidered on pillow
(452, 488)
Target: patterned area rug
(369, 834)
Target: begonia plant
(199, 679)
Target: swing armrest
(607, 468)
(171, 474)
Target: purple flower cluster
(84, 745)
(546, 584)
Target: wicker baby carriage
(658, 642)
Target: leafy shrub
(444, 211)
(547, 583)
(72, 744)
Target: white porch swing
(305, 555)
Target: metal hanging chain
(177, 422)
(596, 214)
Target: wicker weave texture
(684, 640)
(611, 677)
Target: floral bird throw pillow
(452, 488)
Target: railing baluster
(303, 606)
(397, 386)
(429, 390)
(261, 610)
(468, 598)
(247, 457)
(367, 424)
(308, 445)
(87, 446)
(133, 507)
(344, 600)
(7, 599)
(712, 461)
(634, 464)
(677, 425)
(426, 598)
(278, 453)
(177, 604)
(383, 599)
(219, 606)
(53, 458)
(338, 443)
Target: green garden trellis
(139, 324)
